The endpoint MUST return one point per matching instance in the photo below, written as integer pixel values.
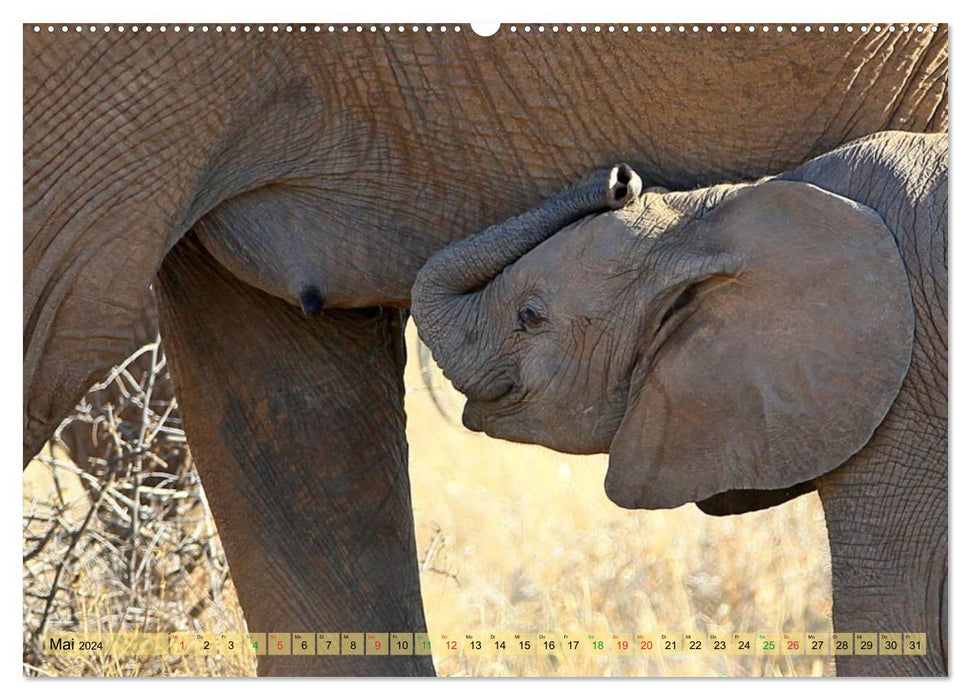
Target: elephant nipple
(310, 301)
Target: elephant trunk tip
(311, 301)
(623, 186)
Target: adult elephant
(321, 171)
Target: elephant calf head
(735, 337)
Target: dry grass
(518, 538)
(127, 544)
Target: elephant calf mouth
(472, 419)
(481, 407)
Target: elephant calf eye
(530, 318)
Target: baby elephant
(733, 338)
(735, 346)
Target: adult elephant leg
(297, 426)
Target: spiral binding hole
(487, 30)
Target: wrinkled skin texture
(323, 171)
(737, 346)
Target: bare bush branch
(118, 534)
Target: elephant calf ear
(782, 373)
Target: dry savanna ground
(512, 538)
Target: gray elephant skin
(734, 346)
(282, 190)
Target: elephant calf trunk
(443, 287)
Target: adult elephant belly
(303, 244)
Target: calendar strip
(491, 644)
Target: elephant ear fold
(781, 365)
